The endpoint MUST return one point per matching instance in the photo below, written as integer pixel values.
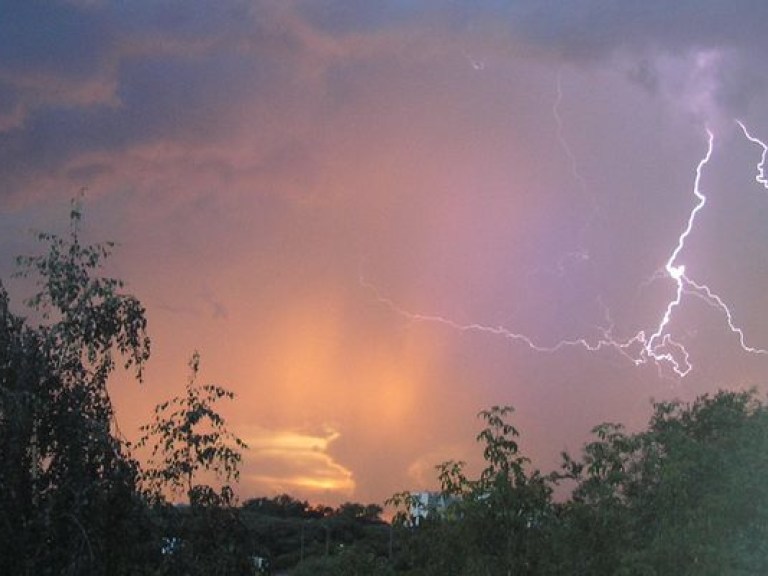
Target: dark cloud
(53, 38)
(110, 76)
(9, 98)
(592, 28)
(576, 29)
(344, 17)
(113, 77)
(178, 97)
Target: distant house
(260, 565)
(170, 545)
(425, 503)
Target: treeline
(686, 495)
(289, 532)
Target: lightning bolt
(658, 344)
(659, 347)
(562, 139)
(579, 255)
(760, 178)
(595, 346)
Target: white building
(425, 503)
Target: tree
(494, 524)
(595, 527)
(707, 487)
(68, 493)
(354, 560)
(283, 506)
(508, 509)
(685, 496)
(21, 376)
(190, 437)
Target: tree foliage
(685, 496)
(68, 493)
(189, 436)
(492, 524)
(71, 497)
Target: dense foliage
(73, 499)
(68, 489)
(687, 495)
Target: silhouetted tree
(68, 497)
(189, 436)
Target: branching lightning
(659, 348)
(658, 345)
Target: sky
(374, 220)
